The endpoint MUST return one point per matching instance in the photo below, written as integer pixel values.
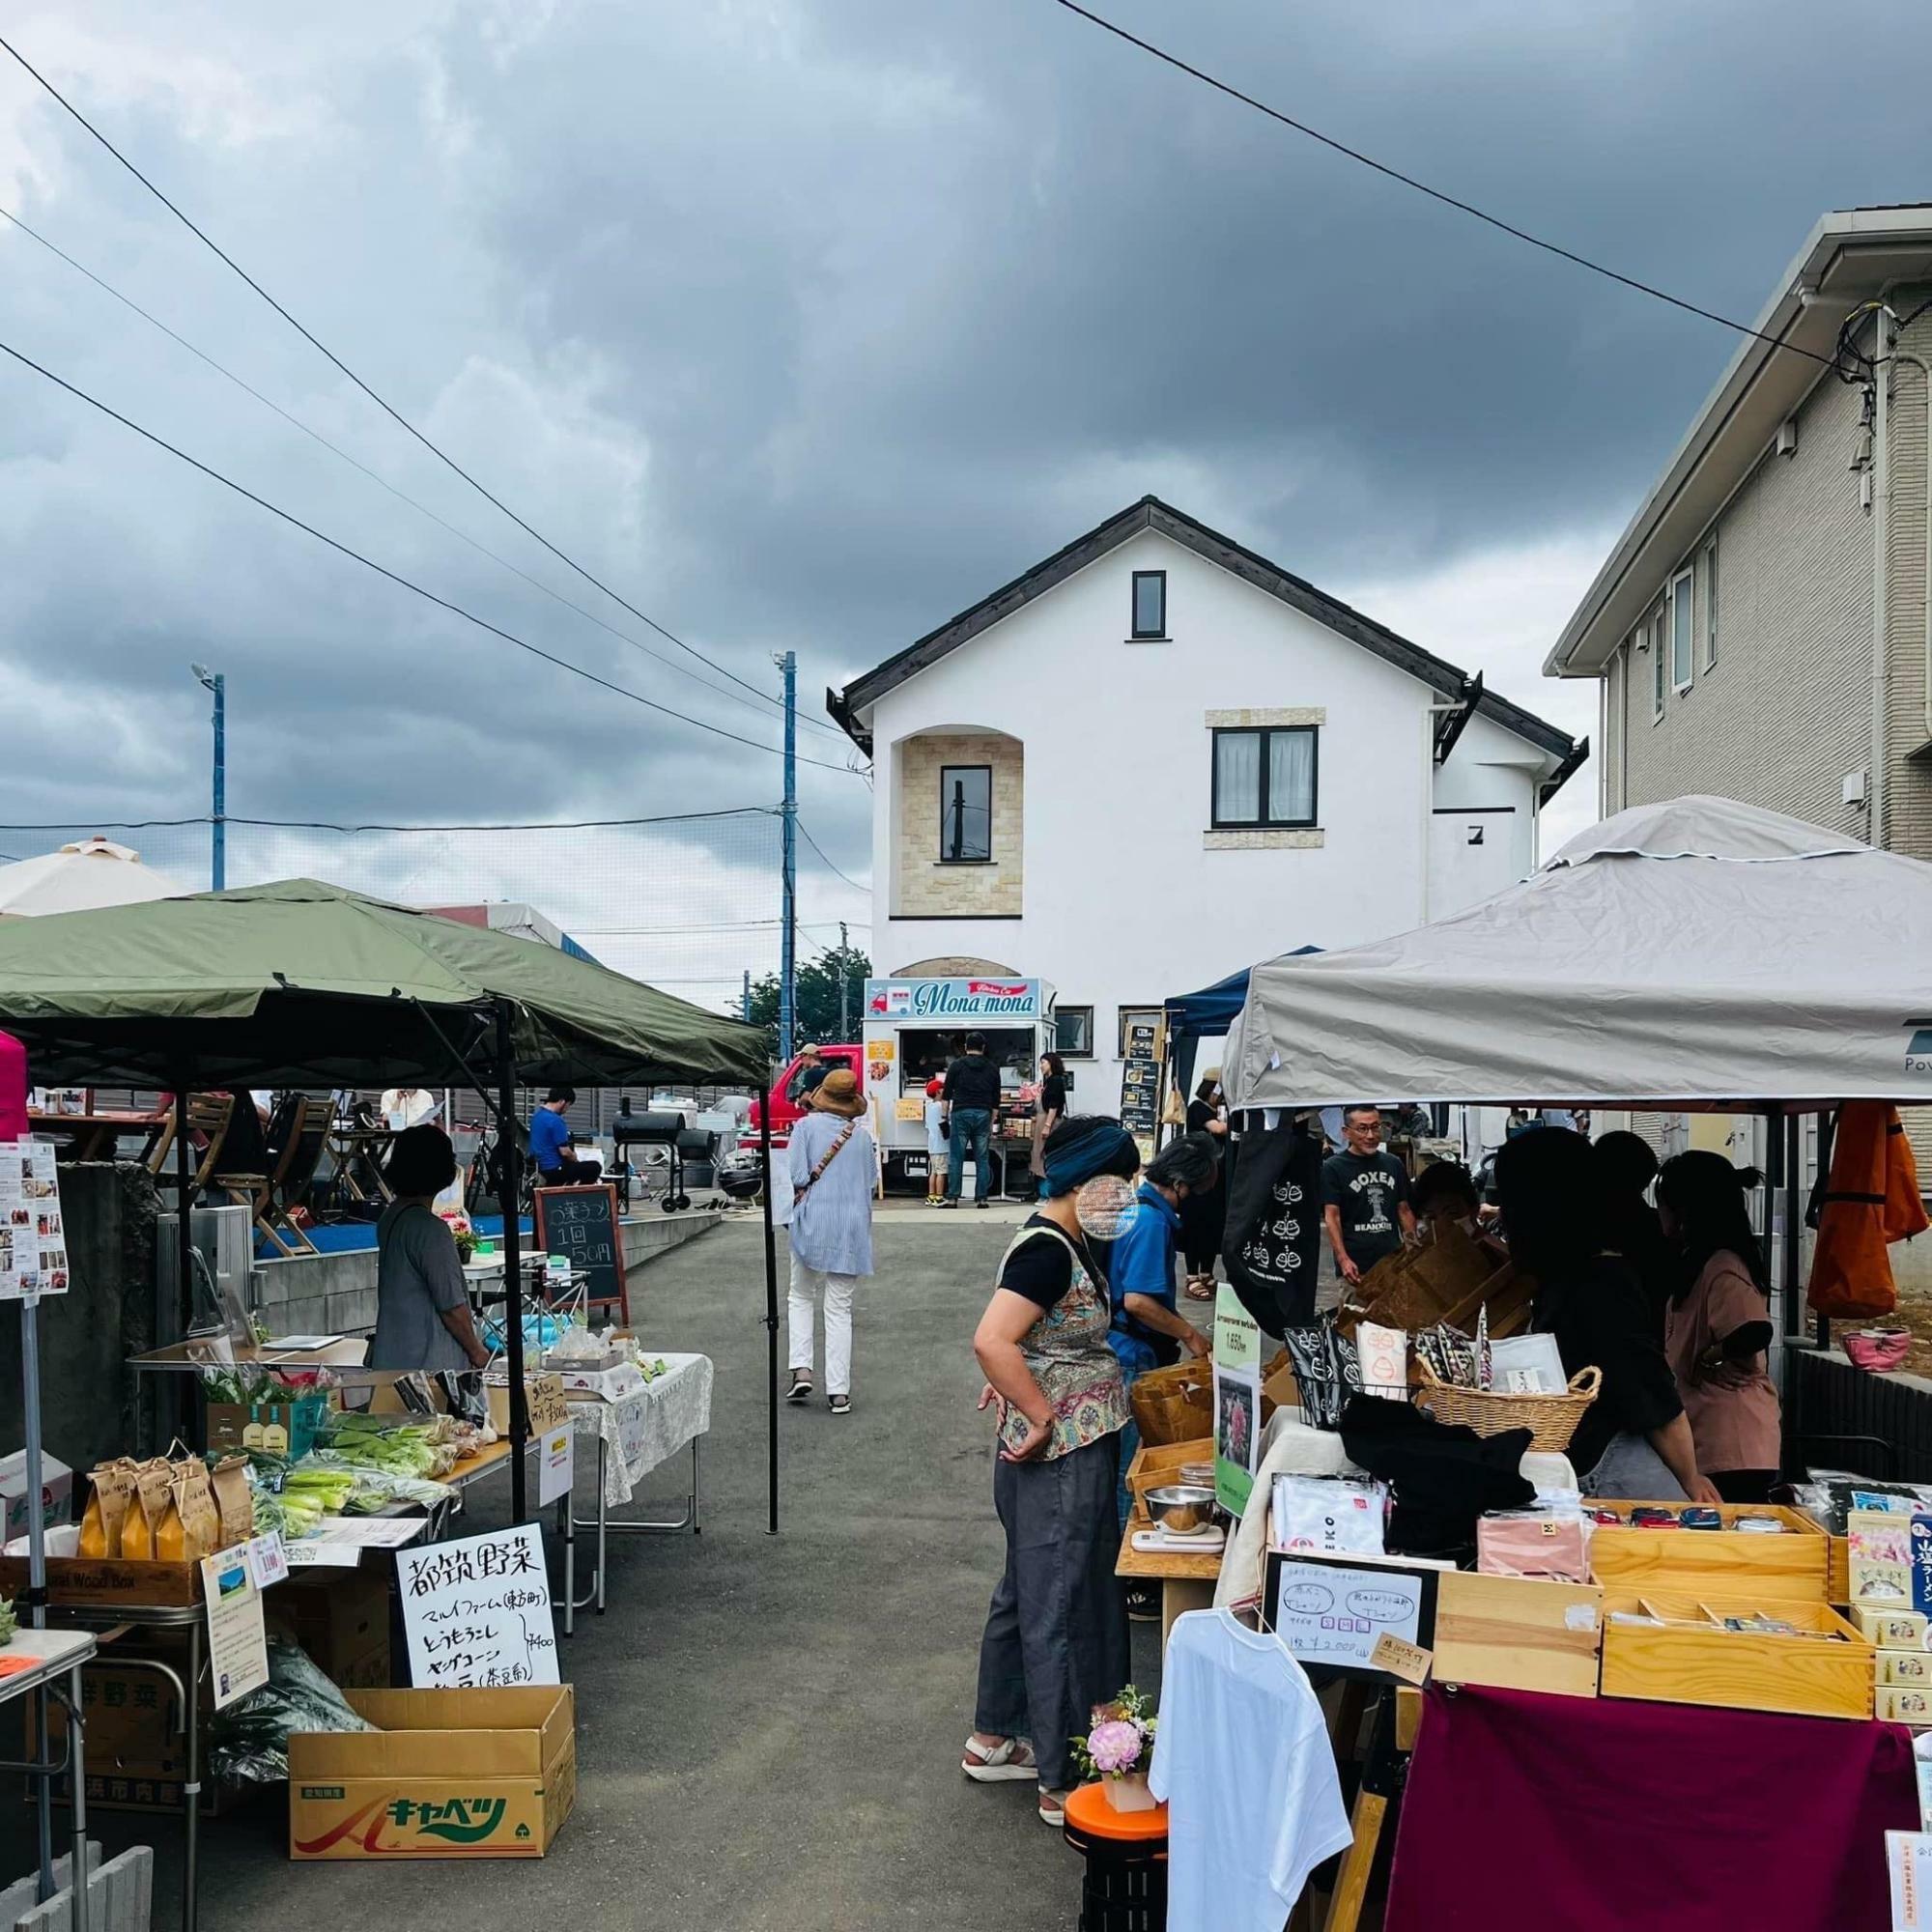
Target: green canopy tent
(305, 985)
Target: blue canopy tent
(1192, 1017)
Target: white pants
(837, 1292)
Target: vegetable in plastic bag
(250, 1740)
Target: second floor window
(1682, 605)
(965, 815)
(1264, 779)
(1149, 604)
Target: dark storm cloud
(805, 325)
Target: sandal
(1200, 1288)
(1012, 1758)
(800, 1390)
(1053, 1809)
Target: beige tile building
(1762, 629)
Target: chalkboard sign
(582, 1222)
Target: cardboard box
(449, 1775)
(1518, 1632)
(1682, 1562)
(1904, 1704)
(1905, 1667)
(1895, 1629)
(602, 1385)
(56, 1492)
(341, 1620)
(1691, 1659)
(136, 1753)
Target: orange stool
(1125, 1887)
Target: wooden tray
(1693, 1661)
(1518, 1632)
(1682, 1561)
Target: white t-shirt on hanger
(1243, 1761)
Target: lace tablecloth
(650, 1426)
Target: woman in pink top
(1718, 1325)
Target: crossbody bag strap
(825, 1160)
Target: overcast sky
(803, 323)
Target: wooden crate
(1157, 1463)
(1687, 1560)
(1518, 1632)
(1694, 1661)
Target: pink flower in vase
(1115, 1746)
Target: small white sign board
(477, 1613)
(555, 1464)
(238, 1647)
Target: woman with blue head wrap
(1056, 1638)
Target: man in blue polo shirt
(552, 1149)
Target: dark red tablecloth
(1526, 1813)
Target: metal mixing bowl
(1183, 1509)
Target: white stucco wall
(1126, 901)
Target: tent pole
(1794, 1223)
(771, 1318)
(510, 1165)
(36, 1576)
(181, 1317)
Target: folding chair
(301, 1134)
(208, 1119)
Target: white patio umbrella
(81, 877)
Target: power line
(1422, 188)
(394, 577)
(382, 482)
(323, 825)
(827, 862)
(207, 242)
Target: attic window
(1149, 604)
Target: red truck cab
(782, 1098)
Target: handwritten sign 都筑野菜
(477, 1613)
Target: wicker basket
(1550, 1419)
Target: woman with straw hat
(833, 1167)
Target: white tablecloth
(650, 1426)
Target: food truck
(915, 1029)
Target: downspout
(1881, 495)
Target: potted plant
(1118, 1748)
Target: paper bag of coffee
(194, 1503)
(114, 1495)
(234, 1501)
(153, 1483)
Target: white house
(1156, 759)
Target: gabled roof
(1850, 258)
(1151, 514)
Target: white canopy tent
(81, 877)
(1693, 951)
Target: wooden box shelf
(1683, 1561)
(1518, 1632)
(1693, 1659)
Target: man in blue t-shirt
(551, 1149)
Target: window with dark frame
(965, 815)
(1073, 1032)
(1264, 780)
(1149, 604)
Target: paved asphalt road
(768, 1728)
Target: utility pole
(845, 985)
(217, 854)
(788, 813)
(744, 1005)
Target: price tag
(549, 1406)
(268, 1559)
(1401, 1659)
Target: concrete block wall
(93, 1406)
(922, 885)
